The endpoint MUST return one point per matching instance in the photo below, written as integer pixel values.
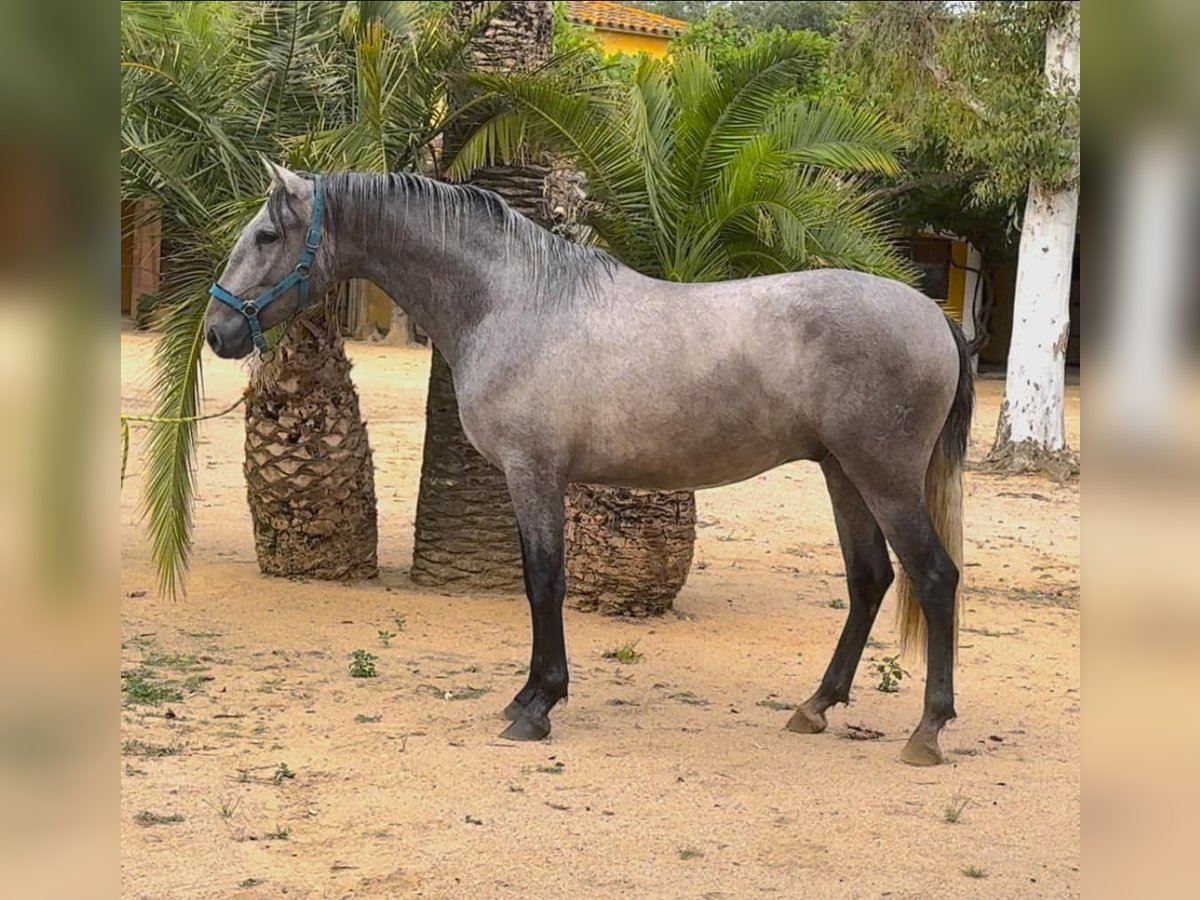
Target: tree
(695, 171)
(821, 16)
(206, 89)
(700, 172)
(998, 83)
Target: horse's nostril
(214, 339)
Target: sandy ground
(668, 777)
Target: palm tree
(206, 89)
(696, 171)
(466, 531)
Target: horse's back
(653, 384)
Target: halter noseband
(298, 276)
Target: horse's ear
(291, 183)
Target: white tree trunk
(1032, 416)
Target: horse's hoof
(922, 750)
(806, 720)
(513, 711)
(527, 728)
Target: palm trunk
(1031, 430)
(628, 552)
(309, 475)
(466, 531)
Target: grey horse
(570, 367)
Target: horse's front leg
(513, 711)
(537, 496)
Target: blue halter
(298, 276)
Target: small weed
(777, 705)
(192, 683)
(876, 644)
(690, 853)
(557, 769)
(143, 688)
(837, 603)
(131, 771)
(146, 750)
(689, 698)
(228, 808)
(974, 872)
(243, 776)
(247, 883)
(471, 820)
(954, 809)
(626, 653)
(401, 622)
(203, 635)
(516, 789)
(362, 664)
(281, 772)
(890, 674)
(146, 819)
(363, 719)
(279, 834)
(385, 638)
(180, 662)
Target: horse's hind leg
(907, 524)
(868, 575)
(537, 497)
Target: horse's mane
(380, 202)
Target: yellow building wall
(625, 42)
(958, 280)
(379, 307)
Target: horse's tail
(944, 497)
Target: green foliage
(702, 170)
(719, 32)
(970, 80)
(626, 653)
(143, 687)
(821, 16)
(725, 31)
(208, 87)
(890, 674)
(362, 664)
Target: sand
(668, 777)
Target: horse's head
(273, 270)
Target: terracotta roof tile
(619, 17)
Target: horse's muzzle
(229, 339)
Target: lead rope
(166, 420)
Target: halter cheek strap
(298, 277)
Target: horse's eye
(265, 237)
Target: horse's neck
(440, 273)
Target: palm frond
(834, 136)
(171, 479)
